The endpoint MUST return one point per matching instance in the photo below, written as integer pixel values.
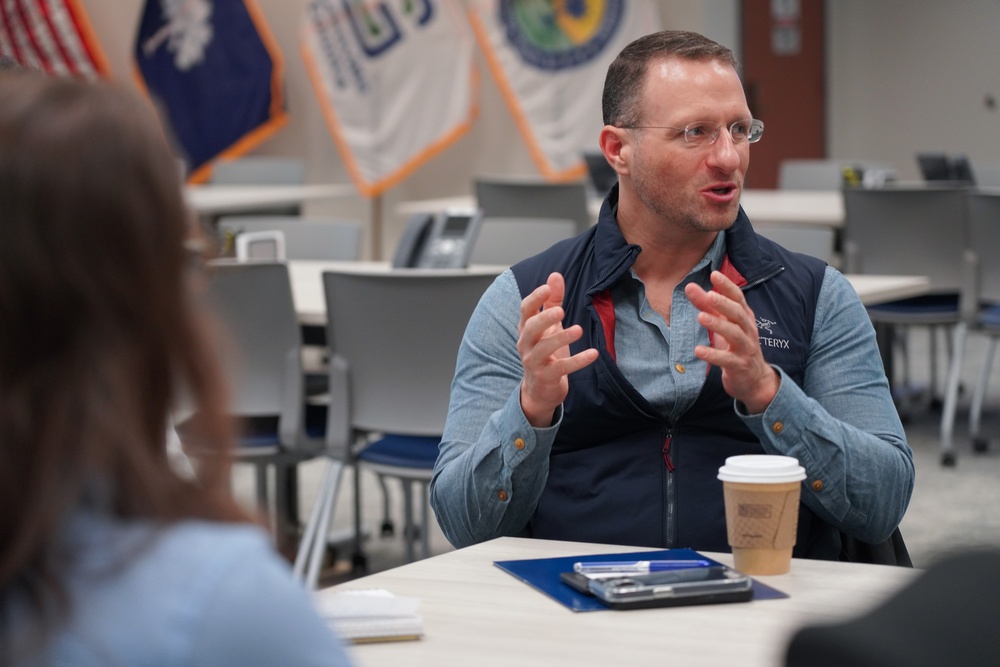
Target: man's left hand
(735, 348)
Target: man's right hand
(543, 344)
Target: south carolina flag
(549, 59)
(53, 36)
(217, 74)
(395, 80)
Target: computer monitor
(961, 170)
(934, 166)
(940, 167)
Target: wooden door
(784, 75)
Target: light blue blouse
(193, 593)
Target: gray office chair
(304, 238)
(816, 241)
(980, 315)
(500, 197)
(507, 241)
(395, 337)
(260, 354)
(262, 170)
(906, 231)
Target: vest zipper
(669, 527)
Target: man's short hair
(622, 86)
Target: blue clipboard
(542, 574)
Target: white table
(307, 281)
(763, 207)
(476, 614)
(219, 199)
(873, 289)
(307, 284)
(824, 208)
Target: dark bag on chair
(891, 552)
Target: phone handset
(442, 240)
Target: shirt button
(817, 485)
(777, 427)
(519, 443)
(502, 495)
(680, 368)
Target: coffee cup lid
(762, 469)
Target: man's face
(694, 187)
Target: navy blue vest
(619, 473)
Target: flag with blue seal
(549, 59)
(216, 74)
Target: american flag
(53, 36)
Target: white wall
(909, 75)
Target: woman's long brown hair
(99, 331)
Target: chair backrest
(802, 174)
(268, 244)
(816, 241)
(521, 198)
(261, 344)
(509, 240)
(906, 231)
(260, 170)
(399, 334)
(305, 238)
(984, 241)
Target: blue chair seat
(990, 318)
(929, 304)
(408, 451)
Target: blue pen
(595, 567)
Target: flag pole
(376, 227)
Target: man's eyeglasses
(703, 133)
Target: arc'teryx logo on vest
(769, 341)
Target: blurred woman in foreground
(107, 557)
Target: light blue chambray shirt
(189, 594)
(841, 424)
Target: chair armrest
(968, 302)
(292, 419)
(338, 420)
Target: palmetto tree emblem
(187, 32)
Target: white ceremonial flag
(549, 58)
(396, 82)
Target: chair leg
(933, 388)
(425, 526)
(261, 475)
(976, 410)
(311, 548)
(387, 529)
(409, 529)
(359, 563)
(951, 396)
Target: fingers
(543, 344)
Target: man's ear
(617, 150)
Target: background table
(212, 200)
(763, 207)
(476, 614)
(307, 282)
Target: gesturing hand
(746, 376)
(543, 344)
